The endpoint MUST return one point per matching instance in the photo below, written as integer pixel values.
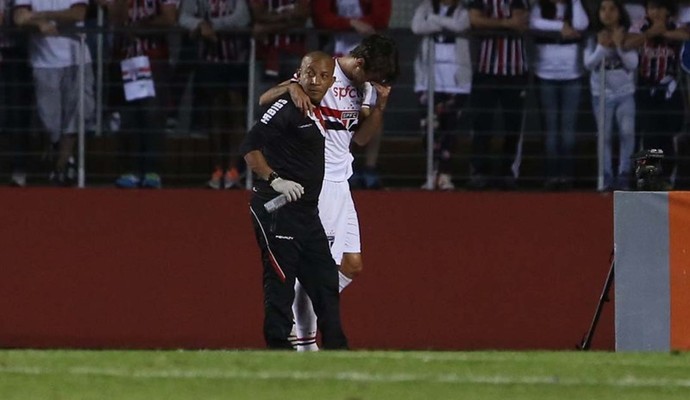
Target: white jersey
(340, 108)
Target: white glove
(291, 189)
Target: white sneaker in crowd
(443, 182)
(18, 179)
(440, 182)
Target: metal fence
(188, 156)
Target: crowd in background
(632, 54)
(628, 56)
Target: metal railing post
(431, 86)
(249, 181)
(601, 139)
(99, 73)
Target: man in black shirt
(286, 150)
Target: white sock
(305, 320)
(343, 281)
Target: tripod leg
(587, 340)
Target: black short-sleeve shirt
(293, 146)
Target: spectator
(682, 178)
(441, 21)
(184, 55)
(500, 79)
(142, 42)
(659, 40)
(350, 21)
(278, 48)
(220, 79)
(15, 92)
(558, 69)
(683, 20)
(606, 48)
(56, 58)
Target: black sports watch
(272, 176)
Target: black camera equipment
(648, 170)
(647, 178)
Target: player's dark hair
(380, 54)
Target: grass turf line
(172, 375)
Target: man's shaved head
(315, 56)
(316, 74)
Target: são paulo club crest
(349, 119)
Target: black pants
(447, 110)
(488, 92)
(294, 245)
(16, 85)
(141, 141)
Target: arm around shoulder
(273, 93)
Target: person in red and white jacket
(351, 20)
(277, 47)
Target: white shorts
(339, 219)
(57, 99)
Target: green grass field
(355, 375)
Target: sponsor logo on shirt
(273, 110)
(342, 92)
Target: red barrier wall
(179, 268)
